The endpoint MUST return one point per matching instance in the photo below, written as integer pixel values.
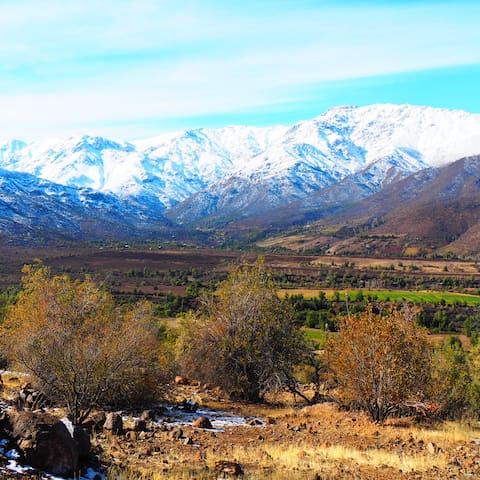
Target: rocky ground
(286, 442)
(203, 435)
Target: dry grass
(450, 432)
(327, 458)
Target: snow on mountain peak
(292, 160)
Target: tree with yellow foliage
(380, 360)
(79, 347)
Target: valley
(148, 265)
(366, 213)
(292, 439)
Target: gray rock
(113, 423)
(46, 443)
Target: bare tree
(80, 348)
(247, 341)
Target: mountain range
(245, 181)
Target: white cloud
(67, 65)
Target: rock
(113, 423)
(94, 422)
(270, 421)
(99, 419)
(131, 435)
(176, 433)
(82, 437)
(88, 424)
(188, 441)
(139, 425)
(431, 448)
(253, 422)
(202, 422)
(46, 443)
(148, 415)
(180, 380)
(188, 406)
(231, 468)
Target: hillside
(432, 210)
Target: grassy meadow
(449, 298)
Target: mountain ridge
(240, 176)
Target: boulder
(148, 415)
(113, 423)
(176, 433)
(139, 425)
(202, 422)
(98, 419)
(188, 406)
(47, 444)
(230, 468)
(181, 380)
(82, 437)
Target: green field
(394, 295)
(315, 334)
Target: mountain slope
(33, 210)
(436, 209)
(268, 167)
(159, 172)
(372, 146)
(241, 179)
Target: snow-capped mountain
(372, 146)
(233, 172)
(161, 171)
(39, 211)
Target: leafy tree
(7, 298)
(380, 360)
(451, 377)
(246, 341)
(79, 347)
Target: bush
(451, 380)
(380, 360)
(246, 341)
(79, 347)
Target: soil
(283, 444)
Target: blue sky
(133, 69)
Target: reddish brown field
(113, 264)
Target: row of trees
(85, 351)
(319, 311)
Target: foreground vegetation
(86, 349)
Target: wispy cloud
(69, 66)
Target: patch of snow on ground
(219, 419)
